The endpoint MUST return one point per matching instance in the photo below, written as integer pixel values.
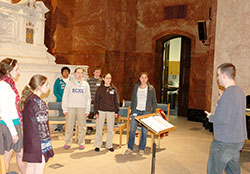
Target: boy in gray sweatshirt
(76, 104)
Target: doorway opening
(175, 53)
(171, 73)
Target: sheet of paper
(164, 122)
(157, 123)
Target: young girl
(76, 103)
(106, 105)
(10, 123)
(143, 102)
(36, 140)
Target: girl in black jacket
(106, 105)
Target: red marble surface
(197, 82)
(121, 37)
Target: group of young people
(33, 145)
(77, 96)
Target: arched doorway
(162, 55)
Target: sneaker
(66, 146)
(81, 147)
(141, 152)
(111, 149)
(128, 151)
(58, 130)
(97, 149)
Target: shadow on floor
(121, 158)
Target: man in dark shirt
(229, 123)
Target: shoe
(58, 130)
(128, 151)
(66, 146)
(111, 149)
(97, 149)
(141, 152)
(81, 147)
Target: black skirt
(6, 143)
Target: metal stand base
(153, 157)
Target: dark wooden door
(183, 92)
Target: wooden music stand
(157, 125)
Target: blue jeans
(224, 156)
(133, 127)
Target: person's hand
(15, 139)
(86, 115)
(116, 115)
(220, 93)
(96, 116)
(65, 114)
(208, 114)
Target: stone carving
(22, 29)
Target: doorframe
(157, 47)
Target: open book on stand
(155, 123)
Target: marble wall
(120, 36)
(232, 42)
(152, 27)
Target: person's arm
(224, 109)
(154, 100)
(65, 98)
(56, 89)
(97, 100)
(133, 98)
(88, 98)
(8, 107)
(116, 102)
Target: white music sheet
(157, 123)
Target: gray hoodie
(76, 96)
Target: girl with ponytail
(36, 135)
(11, 138)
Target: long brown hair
(112, 86)
(6, 66)
(35, 82)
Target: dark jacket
(106, 99)
(35, 112)
(151, 102)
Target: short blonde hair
(83, 70)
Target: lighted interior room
(179, 43)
